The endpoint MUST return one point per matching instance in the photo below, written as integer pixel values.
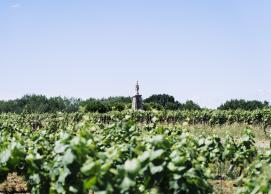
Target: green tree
(243, 105)
(190, 105)
(95, 106)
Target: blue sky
(208, 51)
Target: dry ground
(224, 186)
(13, 184)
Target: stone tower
(137, 99)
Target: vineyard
(134, 152)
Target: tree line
(43, 104)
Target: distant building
(137, 103)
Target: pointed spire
(137, 88)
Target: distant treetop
(244, 105)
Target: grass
(235, 130)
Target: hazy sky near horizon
(208, 51)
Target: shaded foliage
(243, 105)
(167, 102)
(39, 104)
(42, 104)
